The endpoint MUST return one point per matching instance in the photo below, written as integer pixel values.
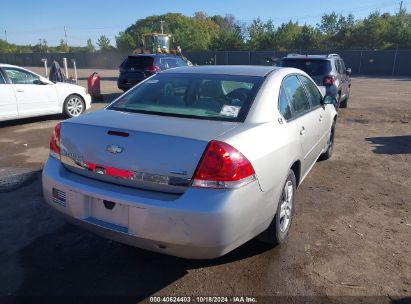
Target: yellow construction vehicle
(155, 43)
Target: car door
(33, 97)
(8, 103)
(321, 118)
(306, 120)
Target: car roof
(319, 57)
(5, 65)
(152, 55)
(243, 70)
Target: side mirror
(348, 71)
(328, 99)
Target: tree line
(200, 32)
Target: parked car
(138, 67)
(192, 162)
(23, 93)
(325, 70)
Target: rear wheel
(277, 232)
(344, 103)
(330, 145)
(74, 105)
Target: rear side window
(312, 91)
(313, 67)
(138, 62)
(2, 81)
(338, 66)
(296, 94)
(283, 105)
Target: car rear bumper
(198, 224)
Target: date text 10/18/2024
(201, 299)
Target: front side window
(313, 93)
(18, 76)
(202, 96)
(296, 94)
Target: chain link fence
(362, 62)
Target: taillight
(152, 68)
(328, 81)
(55, 142)
(223, 167)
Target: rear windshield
(201, 96)
(313, 67)
(138, 62)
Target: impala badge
(114, 149)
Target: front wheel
(74, 106)
(277, 232)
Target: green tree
(90, 48)
(41, 47)
(104, 44)
(63, 47)
(125, 42)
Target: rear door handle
(302, 131)
(20, 90)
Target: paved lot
(351, 234)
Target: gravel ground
(350, 236)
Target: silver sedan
(193, 161)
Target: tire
(277, 232)
(74, 106)
(344, 103)
(327, 154)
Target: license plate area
(109, 211)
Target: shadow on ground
(101, 78)
(106, 98)
(391, 145)
(75, 262)
(23, 121)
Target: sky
(26, 21)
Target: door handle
(302, 131)
(20, 90)
(321, 118)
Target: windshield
(214, 97)
(312, 67)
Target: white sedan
(27, 94)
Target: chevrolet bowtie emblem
(114, 149)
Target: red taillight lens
(222, 166)
(328, 81)
(153, 68)
(55, 142)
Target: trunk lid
(151, 152)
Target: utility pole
(5, 34)
(162, 26)
(65, 35)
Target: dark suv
(325, 70)
(136, 68)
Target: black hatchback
(136, 68)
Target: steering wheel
(240, 94)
